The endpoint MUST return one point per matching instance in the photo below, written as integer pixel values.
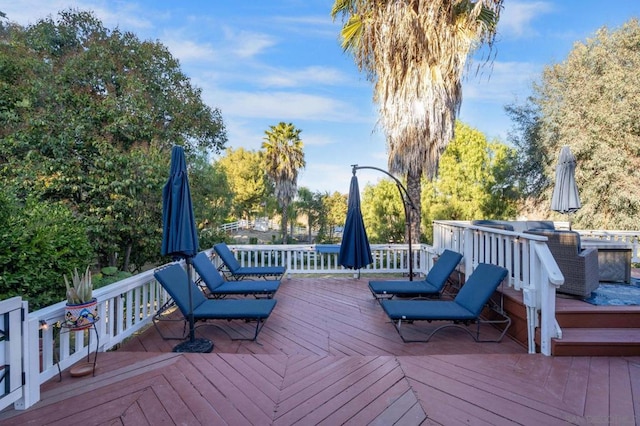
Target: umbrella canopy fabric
(565, 197)
(355, 251)
(179, 236)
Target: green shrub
(40, 242)
(209, 236)
(109, 275)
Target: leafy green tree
(531, 159)
(474, 181)
(415, 53)
(89, 116)
(284, 158)
(245, 173)
(210, 188)
(311, 206)
(590, 102)
(335, 206)
(383, 212)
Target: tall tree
(336, 207)
(89, 116)
(311, 205)
(284, 158)
(383, 212)
(590, 102)
(245, 171)
(210, 188)
(475, 180)
(415, 52)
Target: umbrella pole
(408, 214)
(192, 345)
(192, 328)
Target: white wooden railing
(128, 306)
(533, 270)
(314, 259)
(124, 308)
(234, 226)
(629, 237)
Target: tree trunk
(127, 257)
(283, 224)
(414, 188)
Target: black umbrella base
(195, 346)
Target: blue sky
(263, 62)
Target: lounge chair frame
(432, 286)
(198, 299)
(159, 317)
(214, 286)
(462, 325)
(490, 272)
(232, 269)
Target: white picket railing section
(127, 306)
(234, 226)
(313, 259)
(124, 308)
(629, 237)
(532, 268)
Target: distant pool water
(616, 294)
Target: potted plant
(82, 308)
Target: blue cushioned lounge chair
(218, 288)
(174, 279)
(463, 310)
(433, 283)
(232, 269)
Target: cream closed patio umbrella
(565, 198)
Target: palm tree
(415, 52)
(284, 158)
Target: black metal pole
(200, 345)
(406, 199)
(192, 328)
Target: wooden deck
(328, 355)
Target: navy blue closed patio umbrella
(355, 252)
(180, 236)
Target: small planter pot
(81, 316)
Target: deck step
(599, 317)
(597, 342)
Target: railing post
(31, 367)
(546, 276)
(469, 261)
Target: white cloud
(247, 44)
(281, 106)
(304, 77)
(187, 50)
(317, 140)
(325, 177)
(126, 16)
(331, 177)
(502, 83)
(318, 26)
(517, 17)
(243, 133)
